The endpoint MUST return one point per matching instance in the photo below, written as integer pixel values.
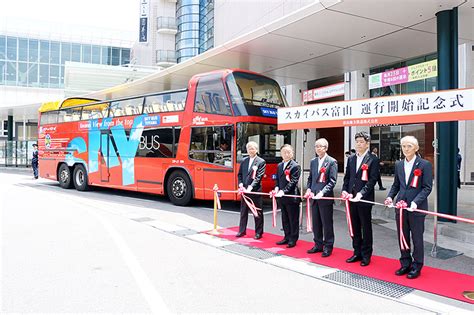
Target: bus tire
(179, 188)
(80, 179)
(65, 176)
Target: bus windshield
(247, 90)
(268, 137)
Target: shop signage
(323, 92)
(412, 73)
(449, 105)
(144, 12)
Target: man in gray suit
(412, 182)
(250, 177)
(321, 181)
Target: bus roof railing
(75, 102)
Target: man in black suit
(321, 181)
(412, 182)
(34, 161)
(250, 176)
(362, 172)
(288, 175)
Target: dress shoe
(414, 273)
(240, 234)
(402, 271)
(354, 258)
(314, 250)
(365, 262)
(290, 245)
(326, 253)
(257, 236)
(382, 188)
(282, 242)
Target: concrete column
(357, 86)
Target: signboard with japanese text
(323, 92)
(411, 73)
(144, 12)
(449, 105)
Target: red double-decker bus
(177, 143)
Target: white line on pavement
(154, 299)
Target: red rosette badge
(322, 176)
(416, 177)
(365, 173)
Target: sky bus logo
(269, 112)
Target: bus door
(104, 155)
(214, 146)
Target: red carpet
(437, 281)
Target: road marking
(154, 299)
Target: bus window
(49, 118)
(249, 91)
(95, 111)
(69, 114)
(161, 143)
(212, 145)
(169, 102)
(268, 138)
(211, 97)
(128, 107)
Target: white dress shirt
(408, 166)
(360, 158)
(251, 162)
(321, 162)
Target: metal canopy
(323, 39)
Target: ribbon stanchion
(217, 205)
(274, 207)
(309, 219)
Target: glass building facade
(40, 63)
(195, 20)
(386, 138)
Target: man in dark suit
(34, 161)
(250, 176)
(321, 181)
(288, 175)
(412, 182)
(362, 172)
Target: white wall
(233, 18)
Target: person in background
(321, 181)
(250, 176)
(361, 174)
(412, 183)
(458, 166)
(375, 151)
(288, 175)
(34, 161)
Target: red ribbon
(401, 205)
(216, 194)
(365, 175)
(287, 175)
(309, 220)
(417, 173)
(274, 207)
(322, 177)
(346, 198)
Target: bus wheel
(80, 178)
(64, 176)
(179, 188)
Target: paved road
(113, 252)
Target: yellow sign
(423, 71)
